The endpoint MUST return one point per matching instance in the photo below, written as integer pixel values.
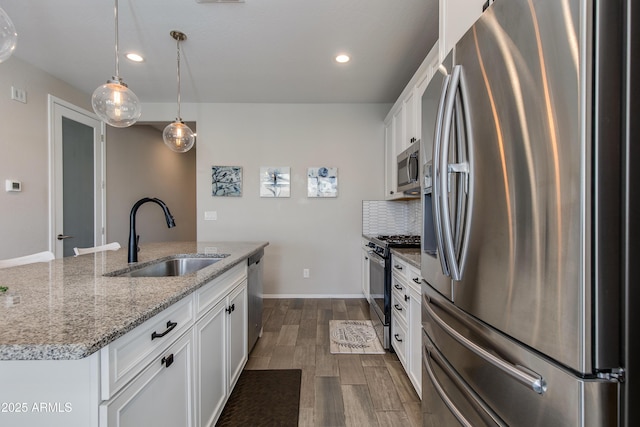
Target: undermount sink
(174, 266)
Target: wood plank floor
(337, 389)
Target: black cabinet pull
(396, 336)
(170, 326)
(398, 287)
(406, 297)
(231, 308)
(167, 361)
(397, 267)
(397, 307)
(417, 280)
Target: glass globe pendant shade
(116, 104)
(178, 137)
(8, 36)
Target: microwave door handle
(436, 174)
(443, 182)
(412, 173)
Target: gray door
(77, 193)
(78, 183)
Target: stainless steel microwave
(409, 170)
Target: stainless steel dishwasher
(254, 291)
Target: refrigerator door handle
(466, 168)
(437, 220)
(521, 374)
(469, 181)
(442, 179)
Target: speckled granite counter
(410, 255)
(68, 309)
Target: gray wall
(137, 162)
(24, 216)
(322, 235)
(140, 165)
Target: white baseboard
(313, 296)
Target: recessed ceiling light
(342, 58)
(134, 57)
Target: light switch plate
(210, 215)
(12, 186)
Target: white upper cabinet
(403, 124)
(456, 17)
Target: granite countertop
(410, 255)
(68, 309)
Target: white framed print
(322, 182)
(275, 181)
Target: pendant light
(114, 102)
(178, 136)
(8, 36)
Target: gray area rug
(353, 336)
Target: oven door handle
(373, 256)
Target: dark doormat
(264, 398)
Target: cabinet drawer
(162, 395)
(399, 304)
(399, 337)
(414, 278)
(125, 357)
(211, 293)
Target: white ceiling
(257, 51)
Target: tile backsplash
(391, 217)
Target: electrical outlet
(305, 273)
(211, 216)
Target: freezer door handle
(521, 374)
(429, 352)
(443, 395)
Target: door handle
(63, 236)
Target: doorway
(76, 181)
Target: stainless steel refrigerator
(528, 234)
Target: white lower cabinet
(221, 337)
(237, 333)
(364, 265)
(184, 375)
(406, 320)
(177, 369)
(211, 363)
(161, 395)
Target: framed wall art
(226, 181)
(322, 182)
(275, 181)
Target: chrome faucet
(133, 237)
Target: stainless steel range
(380, 280)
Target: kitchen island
(75, 343)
